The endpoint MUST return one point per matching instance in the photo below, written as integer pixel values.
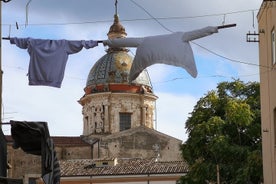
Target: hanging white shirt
(172, 49)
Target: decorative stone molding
(101, 111)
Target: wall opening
(273, 46)
(274, 124)
(125, 121)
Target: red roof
(132, 166)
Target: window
(105, 163)
(273, 46)
(125, 121)
(32, 180)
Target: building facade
(267, 57)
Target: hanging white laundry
(48, 58)
(172, 49)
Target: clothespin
(8, 38)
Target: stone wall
(140, 142)
(23, 164)
(101, 111)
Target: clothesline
(101, 41)
(5, 123)
(8, 38)
(227, 26)
(150, 50)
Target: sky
(223, 56)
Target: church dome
(114, 67)
(111, 72)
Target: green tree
(224, 136)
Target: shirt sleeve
(90, 44)
(22, 43)
(76, 46)
(123, 42)
(72, 47)
(199, 33)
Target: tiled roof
(61, 141)
(68, 141)
(86, 167)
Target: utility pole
(3, 144)
(1, 72)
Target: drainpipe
(92, 147)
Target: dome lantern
(116, 29)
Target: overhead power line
(227, 58)
(169, 30)
(133, 20)
(156, 20)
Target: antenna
(116, 7)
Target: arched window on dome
(125, 121)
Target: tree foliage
(224, 130)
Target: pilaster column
(106, 118)
(91, 121)
(143, 119)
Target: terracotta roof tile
(84, 167)
(61, 140)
